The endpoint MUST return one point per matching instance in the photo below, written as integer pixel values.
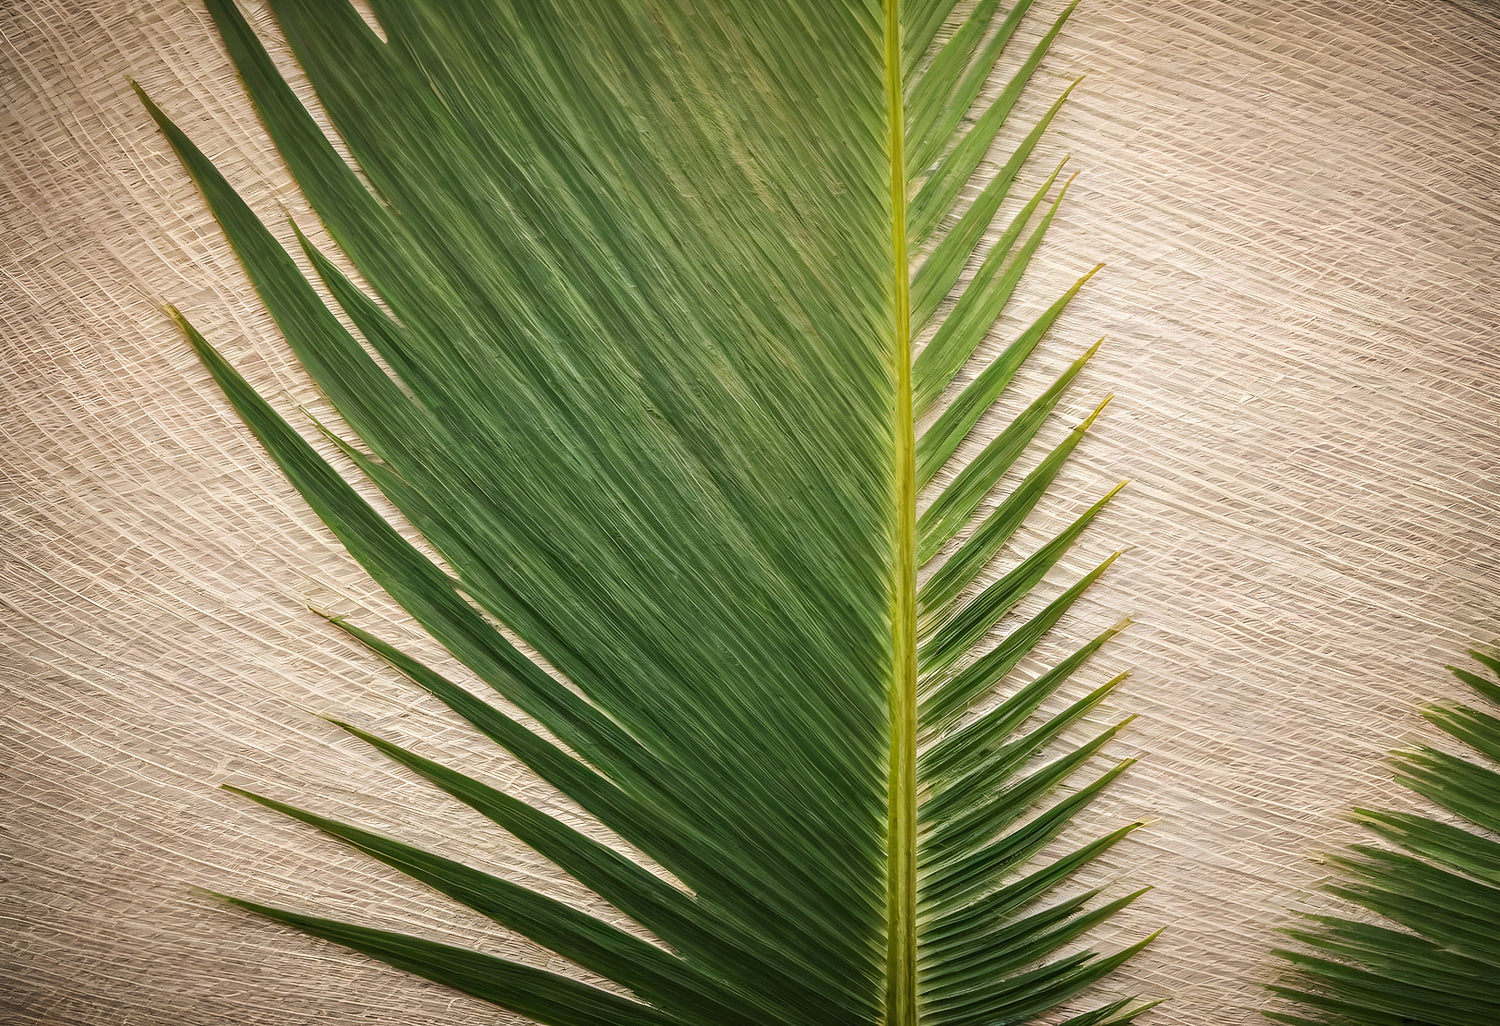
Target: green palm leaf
(632, 350)
(1437, 963)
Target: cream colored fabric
(1298, 204)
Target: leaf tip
(329, 615)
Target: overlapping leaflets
(644, 279)
(1434, 960)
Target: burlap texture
(1298, 203)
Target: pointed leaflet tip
(242, 793)
(350, 728)
(1088, 421)
(331, 617)
(204, 892)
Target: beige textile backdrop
(1298, 202)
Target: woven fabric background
(1299, 202)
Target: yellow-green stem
(901, 830)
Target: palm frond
(1435, 961)
(632, 349)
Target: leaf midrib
(901, 882)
